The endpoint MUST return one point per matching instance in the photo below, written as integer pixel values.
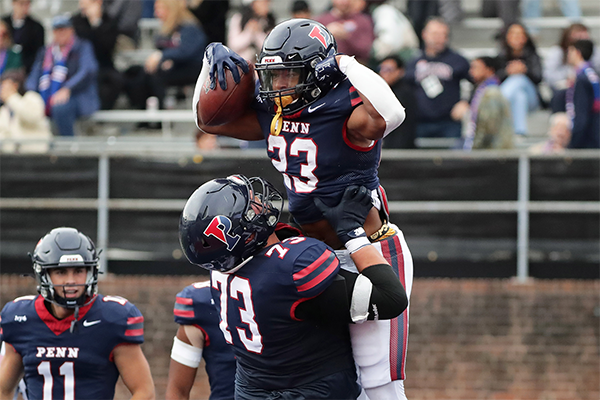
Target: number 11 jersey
(63, 365)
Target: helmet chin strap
(75, 316)
(280, 103)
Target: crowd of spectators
(75, 74)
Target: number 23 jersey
(63, 365)
(314, 153)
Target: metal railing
(523, 206)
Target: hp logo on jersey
(220, 228)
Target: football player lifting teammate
(323, 116)
(285, 305)
(69, 341)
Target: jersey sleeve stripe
(134, 332)
(332, 269)
(184, 313)
(184, 300)
(354, 97)
(135, 320)
(182, 307)
(312, 267)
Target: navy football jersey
(314, 154)
(257, 304)
(63, 365)
(194, 306)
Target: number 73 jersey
(314, 153)
(64, 365)
(257, 309)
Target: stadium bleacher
(473, 36)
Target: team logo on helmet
(316, 33)
(220, 228)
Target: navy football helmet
(296, 45)
(225, 221)
(61, 248)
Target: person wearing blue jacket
(583, 98)
(65, 75)
(436, 75)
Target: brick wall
(470, 339)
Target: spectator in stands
(127, 14)
(249, 27)
(9, 58)
(352, 29)
(213, 18)
(301, 9)
(392, 70)
(25, 31)
(557, 71)
(559, 135)
(394, 34)
(177, 60)
(436, 75)
(65, 73)
(520, 70)
(92, 24)
(22, 116)
(490, 122)
(583, 98)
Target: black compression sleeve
(388, 297)
(330, 307)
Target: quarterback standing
(69, 341)
(322, 116)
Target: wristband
(353, 245)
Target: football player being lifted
(323, 116)
(70, 342)
(284, 305)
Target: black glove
(220, 57)
(328, 74)
(348, 217)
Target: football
(218, 106)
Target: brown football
(218, 106)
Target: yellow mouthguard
(277, 122)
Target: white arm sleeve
(186, 354)
(374, 88)
(201, 79)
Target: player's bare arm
(135, 371)
(376, 283)
(181, 377)
(380, 113)
(11, 370)
(245, 128)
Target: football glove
(348, 217)
(220, 57)
(328, 73)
